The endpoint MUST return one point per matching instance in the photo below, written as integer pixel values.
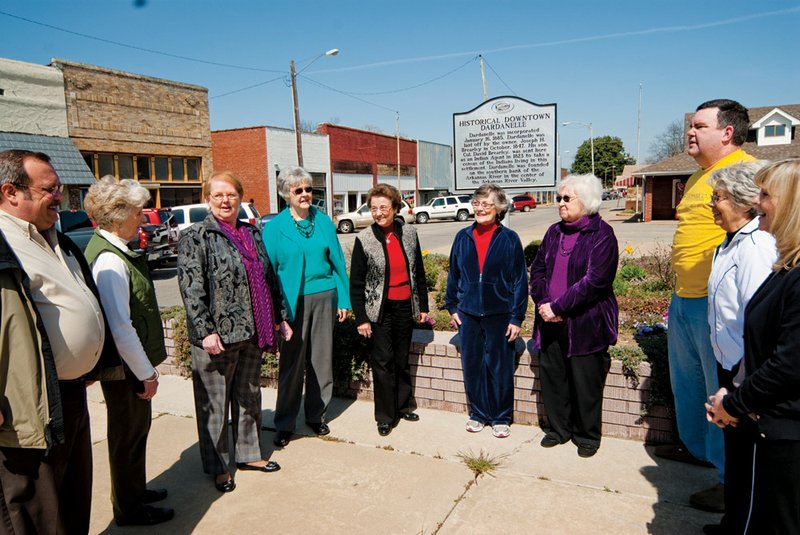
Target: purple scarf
(569, 237)
(259, 293)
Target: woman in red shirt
(388, 293)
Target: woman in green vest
(129, 300)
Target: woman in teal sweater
(302, 245)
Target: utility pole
(483, 77)
(296, 115)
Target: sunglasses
(307, 189)
(565, 198)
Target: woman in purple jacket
(576, 314)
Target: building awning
(65, 157)
(624, 182)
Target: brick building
(772, 136)
(256, 155)
(359, 159)
(134, 126)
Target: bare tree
(668, 143)
(372, 128)
(308, 126)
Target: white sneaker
(501, 430)
(474, 426)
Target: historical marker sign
(506, 140)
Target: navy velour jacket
(503, 286)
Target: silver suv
(346, 223)
(456, 207)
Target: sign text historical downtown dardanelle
(506, 140)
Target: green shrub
(629, 272)
(435, 265)
(530, 251)
(350, 352)
(180, 338)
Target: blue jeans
(693, 373)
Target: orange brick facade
(244, 152)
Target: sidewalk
(412, 481)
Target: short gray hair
(587, 188)
(485, 191)
(737, 180)
(111, 201)
(291, 177)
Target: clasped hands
(547, 314)
(715, 411)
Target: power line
(448, 73)
(136, 47)
(498, 76)
(351, 95)
(248, 87)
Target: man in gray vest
(53, 338)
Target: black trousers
(51, 494)
(572, 388)
(776, 488)
(128, 426)
(391, 378)
(739, 444)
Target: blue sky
(589, 57)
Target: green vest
(145, 317)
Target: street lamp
(331, 52)
(591, 137)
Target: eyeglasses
(716, 198)
(224, 196)
(299, 191)
(380, 209)
(52, 191)
(482, 205)
(565, 198)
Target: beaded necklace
(305, 227)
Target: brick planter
(438, 384)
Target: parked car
(153, 241)
(456, 207)
(523, 202)
(266, 218)
(189, 214)
(346, 223)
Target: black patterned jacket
(369, 273)
(214, 287)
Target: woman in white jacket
(742, 262)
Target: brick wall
(354, 145)
(244, 151)
(439, 384)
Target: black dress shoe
(320, 429)
(147, 516)
(384, 429)
(587, 450)
(282, 438)
(154, 495)
(225, 486)
(550, 440)
(271, 466)
(409, 416)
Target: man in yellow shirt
(714, 139)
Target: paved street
(437, 237)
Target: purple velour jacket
(588, 307)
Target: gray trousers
(230, 379)
(309, 353)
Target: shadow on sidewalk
(674, 482)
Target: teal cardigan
(283, 244)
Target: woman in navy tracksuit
(487, 298)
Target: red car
(523, 202)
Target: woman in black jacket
(388, 293)
(767, 402)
